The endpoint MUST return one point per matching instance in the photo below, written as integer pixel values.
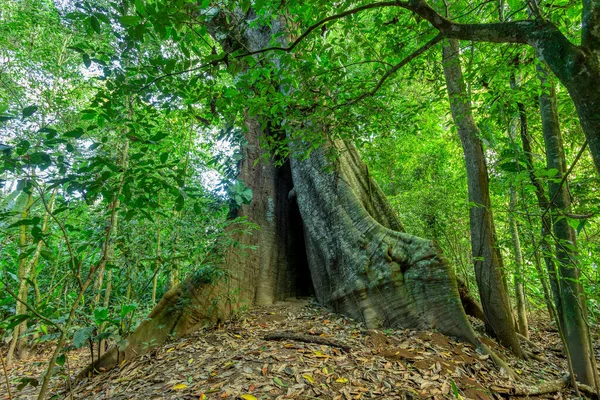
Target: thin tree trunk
(154, 284)
(157, 260)
(40, 244)
(522, 324)
(106, 303)
(111, 247)
(18, 343)
(518, 276)
(486, 256)
(543, 204)
(571, 291)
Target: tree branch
(395, 68)
(499, 32)
(328, 19)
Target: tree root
(544, 388)
(307, 339)
(529, 342)
(534, 356)
(500, 363)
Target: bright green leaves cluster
(109, 107)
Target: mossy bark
(362, 263)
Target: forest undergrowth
(239, 360)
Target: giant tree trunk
(360, 261)
(486, 256)
(320, 218)
(571, 292)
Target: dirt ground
(234, 361)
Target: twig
(69, 376)
(307, 339)
(6, 377)
(395, 68)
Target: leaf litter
(234, 361)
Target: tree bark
(573, 303)
(486, 256)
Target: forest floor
(234, 361)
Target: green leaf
(455, 390)
(581, 225)
(75, 133)
(279, 382)
(27, 381)
(82, 335)
(140, 8)
(179, 203)
(40, 159)
(4, 118)
(95, 23)
(127, 309)
(88, 115)
(130, 20)
(159, 136)
(60, 360)
(16, 320)
(100, 315)
(22, 147)
(258, 5)
(28, 111)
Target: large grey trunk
(361, 262)
(486, 255)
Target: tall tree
(572, 300)
(486, 255)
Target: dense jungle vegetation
(168, 165)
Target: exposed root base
(307, 339)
